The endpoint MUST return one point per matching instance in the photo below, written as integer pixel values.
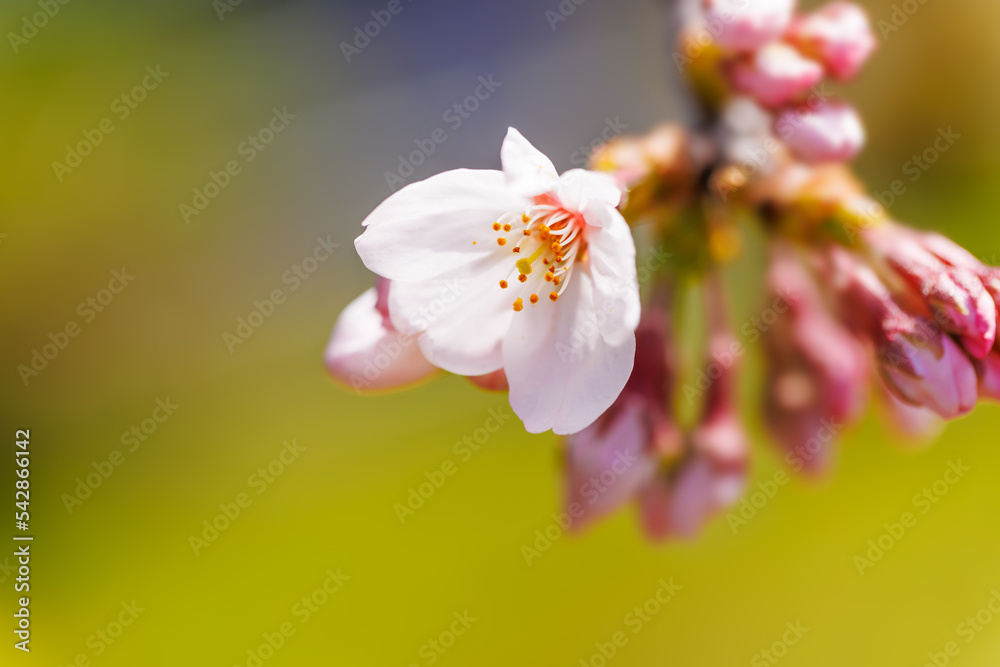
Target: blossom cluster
(763, 49)
(524, 280)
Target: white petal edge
(579, 188)
(461, 319)
(528, 171)
(611, 262)
(562, 373)
(436, 226)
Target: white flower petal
(562, 373)
(436, 226)
(366, 355)
(460, 320)
(611, 255)
(579, 188)
(528, 171)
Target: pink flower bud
(817, 371)
(712, 474)
(927, 368)
(832, 132)
(991, 281)
(922, 365)
(988, 371)
(679, 502)
(989, 276)
(365, 351)
(839, 34)
(911, 422)
(495, 381)
(610, 461)
(954, 294)
(776, 74)
(746, 25)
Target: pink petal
(495, 381)
(606, 463)
(776, 75)
(946, 384)
(367, 355)
(830, 133)
(989, 377)
(839, 34)
(747, 25)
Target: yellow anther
(525, 218)
(533, 298)
(496, 226)
(506, 227)
(518, 305)
(522, 277)
(503, 284)
(554, 296)
(501, 241)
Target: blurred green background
(333, 506)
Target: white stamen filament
(544, 232)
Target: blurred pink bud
(912, 422)
(817, 371)
(746, 25)
(988, 371)
(927, 368)
(839, 34)
(712, 475)
(776, 74)
(678, 502)
(830, 133)
(366, 353)
(720, 436)
(608, 462)
(495, 381)
(955, 294)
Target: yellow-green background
(334, 507)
